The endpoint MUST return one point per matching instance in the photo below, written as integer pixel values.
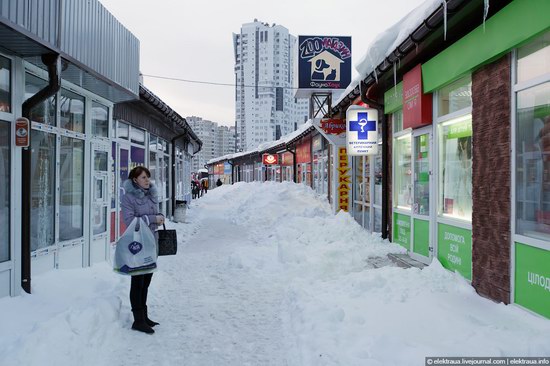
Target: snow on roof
(266, 145)
(387, 41)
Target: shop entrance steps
(404, 261)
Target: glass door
(100, 201)
(421, 244)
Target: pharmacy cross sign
(362, 126)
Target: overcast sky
(193, 40)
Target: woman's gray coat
(137, 202)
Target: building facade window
(402, 172)
(5, 179)
(455, 150)
(44, 112)
(43, 189)
(71, 106)
(532, 145)
(100, 120)
(71, 189)
(5, 85)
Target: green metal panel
(532, 279)
(402, 230)
(421, 244)
(513, 25)
(393, 98)
(454, 249)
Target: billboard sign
(324, 62)
(270, 159)
(362, 131)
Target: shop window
(43, 190)
(534, 59)
(123, 131)
(397, 119)
(5, 168)
(533, 162)
(44, 112)
(71, 189)
(5, 85)
(137, 136)
(100, 120)
(455, 168)
(71, 108)
(153, 166)
(455, 96)
(402, 172)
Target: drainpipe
(230, 162)
(293, 163)
(173, 142)
(53, 62)
(385, 165)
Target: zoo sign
(324, 62)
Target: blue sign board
(226, 168)
(324, 62)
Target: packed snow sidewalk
(265, 275)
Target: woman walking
(141, 200)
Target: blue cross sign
(362, 126)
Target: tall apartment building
(265, 107)
(217, 140)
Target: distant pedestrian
(205, 185)
(194, 189)
(219, 182)
(141, 200)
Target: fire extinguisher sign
(22, 132)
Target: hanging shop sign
(226, 168)
(22, 128)
(417, 107)
(344, 180)
(333, 126)
(324, 62)
(361, 131)
(270, 159)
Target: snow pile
(387, 41)
(265, 275)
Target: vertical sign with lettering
(417, 106)
(344, 181)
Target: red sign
(22, 128)
(287, 159)
(270, 159)
(417, 107)
(333, 126)
(303, 152)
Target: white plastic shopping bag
(136, 250)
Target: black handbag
(168, 241)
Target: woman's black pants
(138, 291)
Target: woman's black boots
(140, 323)
(149, 321)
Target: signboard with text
(22, 129)
(402, 230)
(324, 62)
(333, 126)
(532, 278)
(417, 107)
(455, 249)
(362, 131)
(344, 180)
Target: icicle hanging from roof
(485, 12)
(444, 19)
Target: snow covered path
(265, 275)
(212, 311)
